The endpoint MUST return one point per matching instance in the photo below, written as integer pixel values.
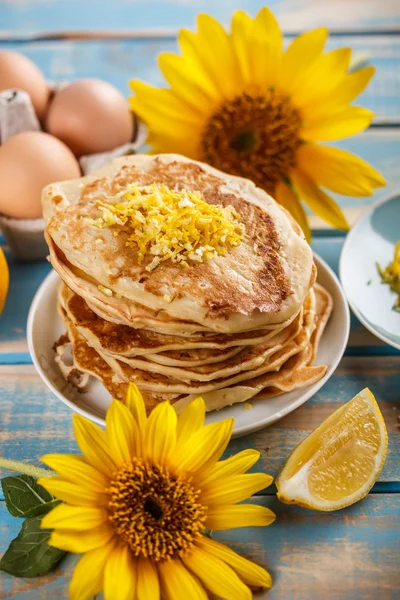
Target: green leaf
(25, 497)
(29, 554)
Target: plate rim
(240, 430)
(363, 320)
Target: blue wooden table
(353, 554)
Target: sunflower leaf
(29, 554)
(25, 497)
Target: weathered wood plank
(294, 15)
(347, 555)
(33, 422)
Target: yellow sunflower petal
(191, 420)
(234, 489)
(194, 66)
(217, 54)
(185, 105)
(349, 87)
(300, 55)
(216, 575)
(158, 121)
(161, 433)
(319, 202)
(161, 101)
(93, 444)
(184, 82)
(87, 580)
(265, 48)
(120, 575)
(204, 448)
(177, 583)
(242, 515)
(353, 84)
(241, 30)
(338, 170)
(162, 144)
(250, 573)
(322, 77)
(77, 470)
(148, 586)
(122, 433)
(342, 124)
(76, 518)
(77, 495)
(81, 541)
(234, 465)
(286, 196)
(134, 401)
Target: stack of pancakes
(242, 323)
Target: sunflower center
(243, 141)
(254, 136)
(153, 508)
(155, 512)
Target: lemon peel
(171, 224)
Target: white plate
(371, 241)
(44, 327)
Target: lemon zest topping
(170, 224)
(391, 275)
(104, 290)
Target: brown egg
(19, 72)
(90, 116)
(28, 162)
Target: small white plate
(371, 241)
(44, 328)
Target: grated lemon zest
(104, 290)
(170, 224)
(391, 275)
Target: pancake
(183, 280)
(157, 383)
(248, 359)
(284, 372)
(298, 371)
(293, 374)
(323, 308)
(127, 341)
(196, 357)
(263, 280)
(87, 360)
(115, 310)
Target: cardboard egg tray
(25, 237)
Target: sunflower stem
(20, 467)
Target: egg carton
(25, 237)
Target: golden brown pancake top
(215, 288)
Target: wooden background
(353, 554)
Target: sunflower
(139, 502)
(241, 103)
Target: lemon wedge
(340, 461)
(4, 279)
